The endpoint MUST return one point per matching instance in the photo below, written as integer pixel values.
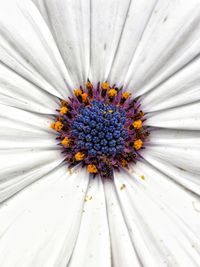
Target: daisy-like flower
(100, 120)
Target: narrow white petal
(93, 244)
(123, 251)
(28, 149)
(134, 24)
(162, 218)
(15, 118)
(69, 22)
(170, 42)
(18, 92)
(39, 227)
(107, 22)
(182, 88)
(28, 48)
(185, 117)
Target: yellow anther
(105, 85)
(111, 111)
(138, 144)
(77, 92)
(63, 110)
(89, 85)
(84, 97)
(66, 141)
(137, 124)
(104, 112)
(112, 92)
(58, 126)
(52, 126)
(92, 168)
(79, 156)
(124, 163)
(126, 95)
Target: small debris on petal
(122, 187)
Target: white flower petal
(123, 252)
(107, 23)
(182, 88)
(39, 227)
(162, 220)
(178, 156)
(93, 244)
(69, 22)
(28, 48)
(180, 175)
(28, 149)
(169, 43)
(17, 92)
(129, 36)
(14, 118)
(185, 117)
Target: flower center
(102, 128)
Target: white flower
(147, 216)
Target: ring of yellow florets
(101, 128)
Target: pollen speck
(122, 187)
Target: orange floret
(105, 85)
(112, 92)
(63, 110)
(138, 144)
(137, 124)
(126, 95)
(77, 92)
(92, 168)
(66, 141)
(79, 156)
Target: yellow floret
(138, 144)
(137, 124)
(112, 92)
(66, 141)
(79, 156)
(105, 85)
(126, 95)
(84, 97)
(58, 126)
(77, 92)
(63, 110)
(92, 168)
